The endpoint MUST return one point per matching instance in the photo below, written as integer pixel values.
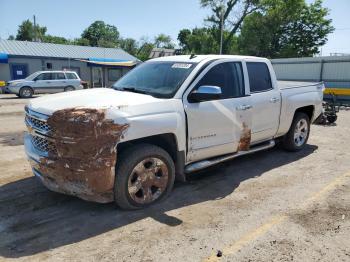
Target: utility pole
(222, 27)
(35, 39)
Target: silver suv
(45, 82)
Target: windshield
(159, 79)
(32, 76)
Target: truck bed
(296, 84)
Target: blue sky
(139, 18)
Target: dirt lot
(271, 206)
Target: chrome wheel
(26, 92)
(301, 132)
(148, 180)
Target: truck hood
(91, 98)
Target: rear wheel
(332, 118)
(26, 92)
(298, 134)
(145, 174)
(69, 88)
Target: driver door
(219, 126)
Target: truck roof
(200, 58)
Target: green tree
(203, 41)
(27, 32)
(230, 14)
(80, 41)
(145, 49)
(55, 40)
(163, 41)
(198, 41)
(129, 45)
(286, 29)
(101, 34)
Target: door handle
(274, 99)
(244, 107)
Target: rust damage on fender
(83, 163)
(244, 141)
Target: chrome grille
(35, 123)
(39, 131)
(43, 144)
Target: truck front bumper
(79, 186)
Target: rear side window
(259, 77)
(228, 76)
(59, 76)
(71, 76)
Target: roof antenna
(193, 56)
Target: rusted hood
(91, 98)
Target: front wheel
(26, 92)
(298, 134)
(144, 175)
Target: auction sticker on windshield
(182, 65)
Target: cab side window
(228, 76)
(259, 77)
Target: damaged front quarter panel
(83, 162)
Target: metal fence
(334, 71)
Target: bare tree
(229, 14)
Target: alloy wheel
(148, 180)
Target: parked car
(2, 86)
(45, 82)
(166, 118)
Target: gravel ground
(270, 206)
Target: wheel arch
(168, 142)
(308, 110)
(26, 87)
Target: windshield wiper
(140, 91)
(133, 89)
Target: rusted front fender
(83, 162)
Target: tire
(69, 88)
(332, 118)
(291, 141)
(134, 188)
(26, 92)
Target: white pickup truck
(167, 117)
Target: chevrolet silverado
(166, 118)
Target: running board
(213, 161)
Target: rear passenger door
(72, 80)
(266, 102)
(59, 82)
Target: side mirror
(205, 93)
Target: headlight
(15, 84)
